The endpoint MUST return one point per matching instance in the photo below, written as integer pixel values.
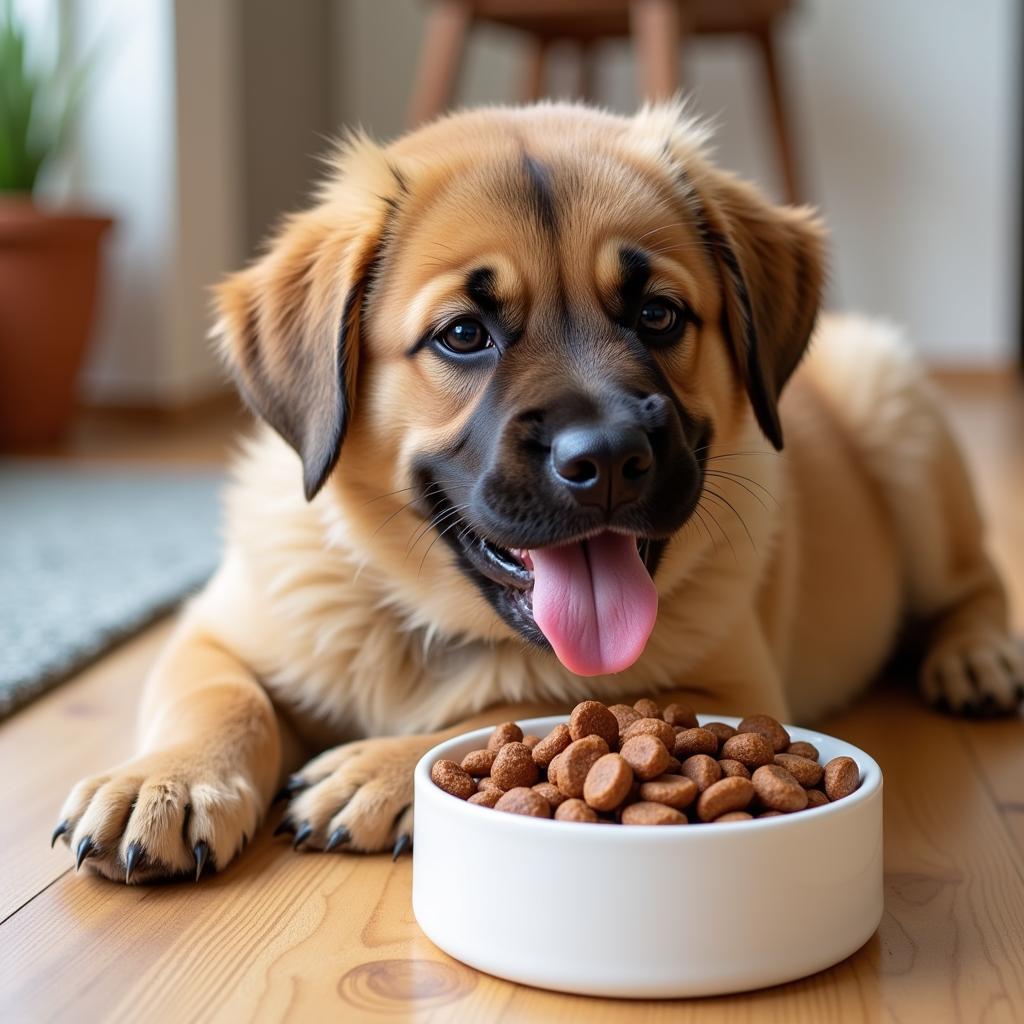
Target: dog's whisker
(436, 521)
(718, 525)
(432, 543)
(728, 504)
(729, 478)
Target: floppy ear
(771, 263)
(288, 325)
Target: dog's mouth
(591, 598)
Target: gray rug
(89, 556)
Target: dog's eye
(660, 320)
(464, 337)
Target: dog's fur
(339, 620)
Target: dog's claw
(131, 858)
(284, 825)
(339, 836)
(402, 845)
(291, 787)
(59, 831)
(305, 831)
(201, 851)
(84, 849)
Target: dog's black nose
(602, 465)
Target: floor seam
(19, 909)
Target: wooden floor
(286, 936)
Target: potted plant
(49, 260)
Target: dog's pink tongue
(595, 602)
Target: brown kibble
(808, 773)
(721, 730)
(733, 794)
(671, 790)
(767, 727)
(734, 816)
(648, 813)
(575, 810)
(842, 777)
(522, 800)
(647, 708)
(552, 745)
(607, 783)
(680, 714)
(624, 715)
(514, 767)
(478, 762)
(652, 727)
(778, 790)
(488, 783)
(646, 755)
(550, 792)
(801, 749)
(675, 766)
(486, 797)
(450, 777)
(531, 741)
(695, 741)
(749, 748)
(703, 769)
(591, 718)
(509, 732)
(770, 814)
(815, 798)
(575, 762)
(733, 769)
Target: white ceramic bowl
(649, 912)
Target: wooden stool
(657, 28)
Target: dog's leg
(210, 750)
(972, 664)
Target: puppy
(523, 377)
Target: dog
(549, 414)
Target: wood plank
(82, 727)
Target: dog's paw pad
(977, 677)
(356, 797)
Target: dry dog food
(640, 765)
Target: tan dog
(531, 362)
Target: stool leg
(657, 33)
(444, 41)
(585, 83)
(765, 39)
(535, 77)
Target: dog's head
(522, 330)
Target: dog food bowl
(648, 912)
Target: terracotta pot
(49, 265)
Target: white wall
(905, 119)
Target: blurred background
(202, 119)
(147, 146)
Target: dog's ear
(771, 263)
(288, 325)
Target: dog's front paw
(978, 675)
(357, 796)
(166, 814)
